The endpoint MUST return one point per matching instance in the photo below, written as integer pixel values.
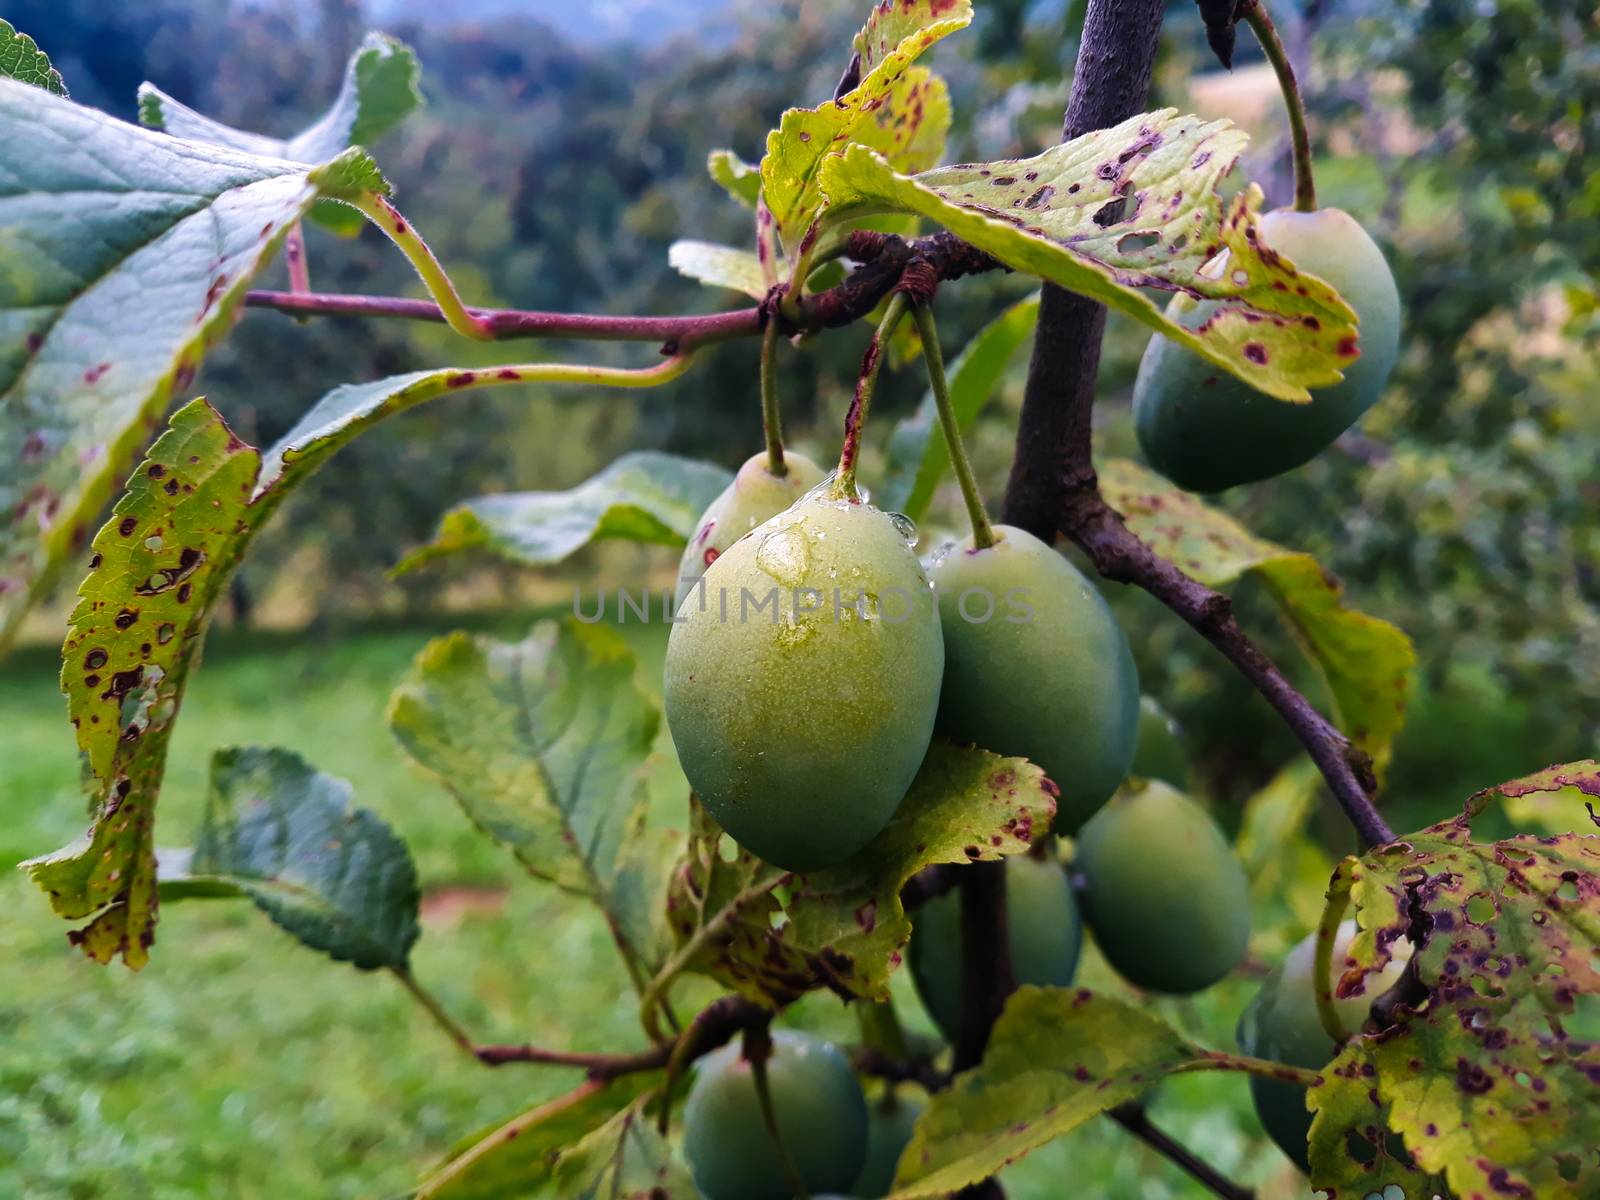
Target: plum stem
(855, 421)
(982, 531)
(771, 416)
(1136, 1121)
(757, 1050)
(294, 257)
(432, 1006)
(1305, 188)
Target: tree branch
(713, 1026)
(884, 259)
(1136, 1121)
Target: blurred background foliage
(561, 152)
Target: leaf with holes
(1134, 206)
(625, 1159)
(739, 179)
(518, 1157)
(1491, 1073)
(917, 455)
(1560, 799)
(844, 928)
(157, 569)
(894, 35)
(123, 254)
(645, 496)
(379, 91)
(283, 833)
(718, 266)
(1366, 663)
(541, 743)
(22, 60)
(1056, 1058)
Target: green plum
(1160, 754)
(1046, 937)
(1281, 1024)
(1207, 430)
(890, 1120)
(802, 681)
(820, 1111)
(1036, 666)
(1164, 893)
(755, 495)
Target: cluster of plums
(814, 657)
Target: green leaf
(740, 179)
(718, 266)
(283, 833)
(21, 59)
(1492, 1079)
(517, 1158)
(892, 38)
(1134, 206)
(625, 1159)
(1366, 663)
(123, 254)
(379, 91)
(845, 928)
(158, 566)
(541, 743)
(1056, 1058)
(918, 457)
(645, 496)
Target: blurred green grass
(239, 1064)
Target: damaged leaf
(1490, 1072)
(541, 743)
(625, 1159)
(281, 832)
(844, 928)
(896, 32)
(1135, 206)
(1366, 663)
(1056, 1058)
(124, 255)
(645, 496)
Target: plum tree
(1160, 754)
(1045, 930)
(1207, 430)
(756, 495)
(802, 681)
(1164, 894)
(1035, 665)
(1281, 1023)
(890, 1120)
(817, 1103)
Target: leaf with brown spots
(125, 254)
(1135, 206)
(1491, 1071)
(1561, 799)
(845, 928)
(625, 1159)
(896, 32)
(1057, 1057)
(1366, 663)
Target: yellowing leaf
(910, 126)
(1492, 1073)
(1367, 663)
(894, 35)
(740, 179)
(1134, 206)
